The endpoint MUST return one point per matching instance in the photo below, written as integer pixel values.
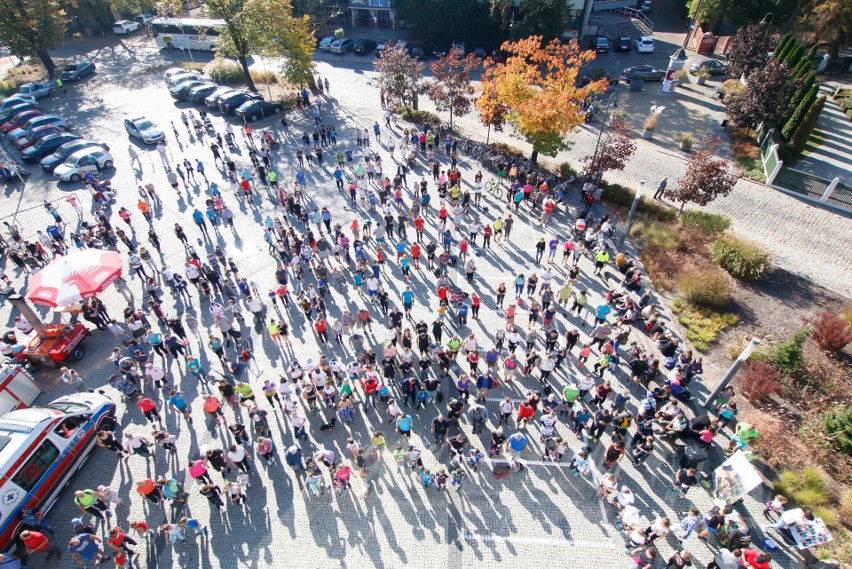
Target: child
(141, 527)
(342, 476)
(442, 478)
(584, 353)
(691, 521)
(458, 478)
(399, 455)
(110, 495)
(475, 458)
(243, 480)
(727, 412)
(557, 452)
(427, 478)
(235, 492)
(193, 524)
(775, 505)
(314, 483)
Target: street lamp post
(678, 58)
(632, 213)
(732, 371)
(612, 102)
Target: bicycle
(494, 188)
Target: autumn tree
(831, 22)
(538, 87)
(400, 76)
(765, 98)
(33, 27)
(748, 49)
(613, 152)
(706, 177)
(492, 113)
(450, 88)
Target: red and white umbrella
(74, 277)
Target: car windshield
(144, 125)
(68, 406)
(72, 67)
(72, 161)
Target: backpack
(670, 363)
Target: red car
(37, 134)
(18, 120)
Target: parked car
(404, 45)
(439, 51)
(497, 55)
(145, 19)
(37, 134)
(47, 145)
(144, 130)
(645, 6)
(35, 90)
(124, 27)
(78, 164)
(36, 121)
(644, 44)
(342, 45)
(622, 43)
(185, 75)
(230, 103)
(418, 52)
(363, 46)
(325, 43)
(76, 71)
(13, 110)
(600, 44)
(16, 99)
(644, 72)
(180, 92)
(712, 66)
(51, 161)
(459, 48)
(480, 53)
(212, 100)
(256, 109)
(15, 121)
(172, 71)
(200, 92)
(382, 46)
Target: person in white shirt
(23, 325)
(507, 408)
(794, 517)
(155, 373)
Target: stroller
(128, 389)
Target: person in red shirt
(118, 541)
(755, 559)
(149, 408)
(36, 541)
(475, 303)
(486, 236)
(419, 224)
(320, 327)
(443, 293)
(525, 412)
(415, 255)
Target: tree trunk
(47, 61)
(792, 19)
(414, 101)
(246, 73)
(682, 205)
(534, 156)
(451, 117)
(488, 134)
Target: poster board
(812, 535)
(734, 478)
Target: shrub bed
(742, 259)
(225, 72)
(705, 287)
(831, 332)
(708, 223)
(702, 326)
(623, 196)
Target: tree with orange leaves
(538, 87)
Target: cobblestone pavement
(539, 516)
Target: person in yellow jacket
(601, 259)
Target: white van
(41, 448)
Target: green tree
(831, 22)
(804, 86)
(792, 125)
(794, 55)
(264, 27)
(134, 7)
(783, 45)
(532, 17)
(800, 138)
(711, 11)
(33, 27)
(446, 20)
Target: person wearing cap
(85, 547)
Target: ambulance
(40, 450)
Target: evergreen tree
(798, 116)
(803, 133)
(801, 68)
(794, 55)
(782, 47)
(805, 86)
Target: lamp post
(612, 102)
(632, 213)
(732, 371)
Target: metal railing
(603, 22)
(641, 20)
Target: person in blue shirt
(425, 198)
(407, 299)
(405, 265)
(377, 130)
(447, 239)
(427, 478)
(484, 383)
(517, 443)
(403, 423)
(601, 312)
(300, 178)
(178, 403)
(462, 313)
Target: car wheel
(108, 164)
(78, 353)
(75, 177)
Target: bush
(707, 222)
(192, 65)
(26, 73)
(225, 72)
(760, 381)
(788, 356)
(807, 489)
(288, 102)
(263, 77)
(708, 288)
(742, 259)
(751, 168)
(7, 88)
(837, 426)
(831, 332)
(779, 447)
(702, 326)
(623, 196)
(566, 171)
(657, 236)
(418, 117)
